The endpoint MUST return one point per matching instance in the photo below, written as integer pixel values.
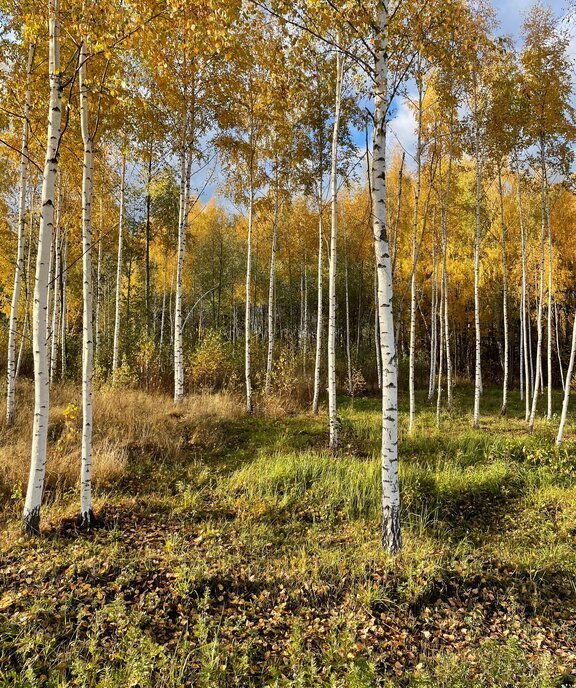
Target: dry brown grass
(125, 421)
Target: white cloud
(402, 128)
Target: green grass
(237, 551)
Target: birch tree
(19, 264)
(119, 261)
(391, 534)
(547, 84)
(31, 515)
(567, 387)
(332, 406)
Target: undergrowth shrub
(213, 364)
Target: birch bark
(116, 341)
(391, 533)
(19, 266)
(86, 515)
(332, 410)
(567, 386)
(31, 515)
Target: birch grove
(307, 207)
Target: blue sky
(510, 15)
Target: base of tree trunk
(31, 522)
(503, 410)
(391, 532)
(86, 521)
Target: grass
(237, 551)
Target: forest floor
(236, 551)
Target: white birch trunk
(377, 331)
(504, 298)
(163, 315)
(99, 284)
(521, 352)
(398, 212)
(178, 322)
(391, 534)
(247, 327)
(64, 311)
(478, 365)
(305, 332)
(525, 312)
(26, 325)
(116, 340)
(560, 367)
(567, 386)
(55, 330)
(271, 292)
(50, 291)
(347, 297)
(31, 515)
(550, 313)
(86, 515)
(19, 265)
(332, 410)
(446, 199)
(538, 384)
(433, 326)
(441, 315)
(319, 314)
(412, 345)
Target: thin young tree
(332, 404)
(19, 264)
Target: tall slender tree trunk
(538, 384)
(26, 325)
(377, 331)
(319, 318)
(550, 311)
(185, 170)
(305, 334)
(86, 515)
(247, 310)
(398, 212)
(64, 309)
(55, 330)
(271, 291)
(504, 297)
(444, 212)
(524, 311)
(391, 533)
(163, 314)
(433, 324)
(51, 288)
(332, 410)
(99, 284)
(148, 239)
(441, 313)
(19, 265)
(347, 298)
(415, 252)
(31, 515)
(560, 368)
(521, 353)
(567, 386)
(116, 341)
(478, 366)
